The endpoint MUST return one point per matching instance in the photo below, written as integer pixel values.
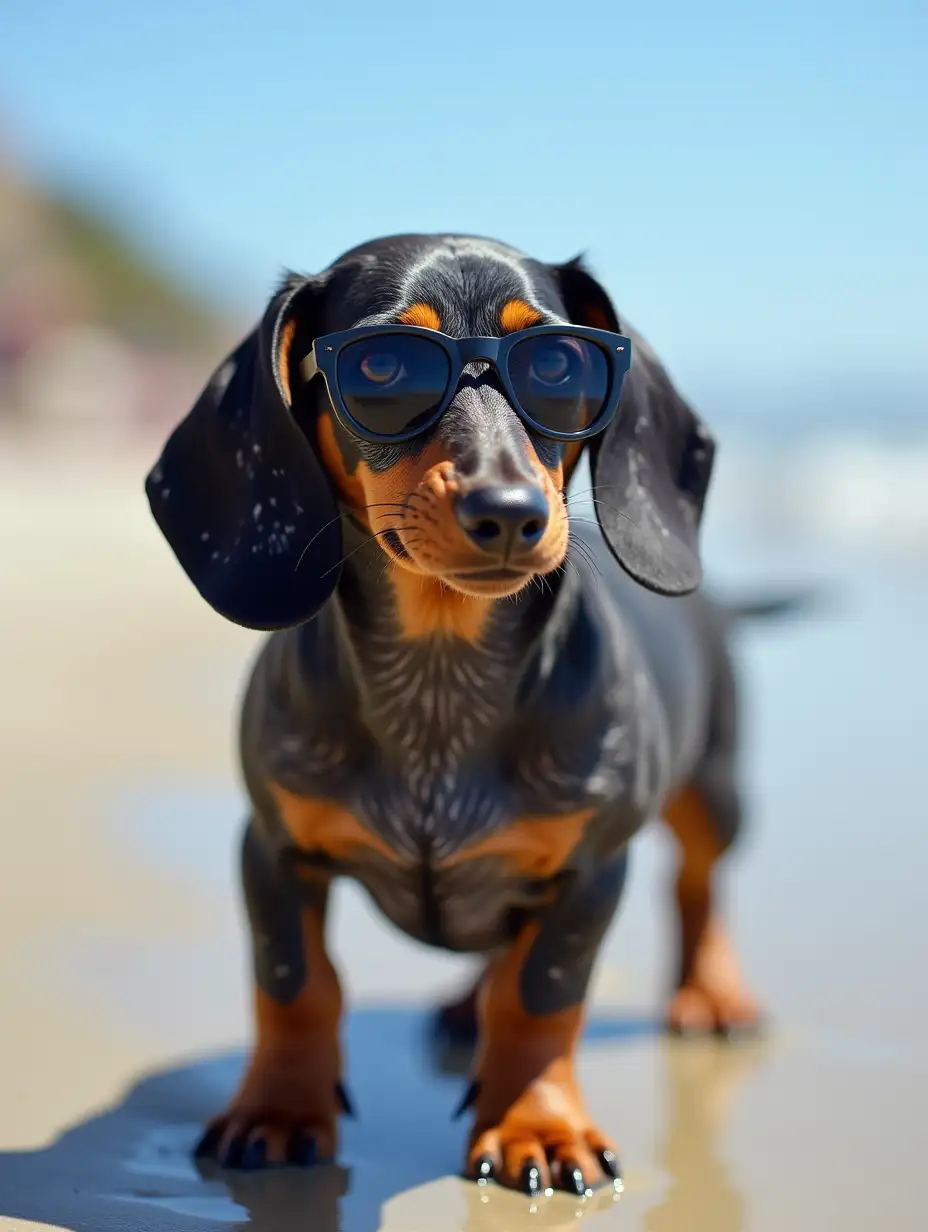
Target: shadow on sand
(130, 1166)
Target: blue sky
(750, 180)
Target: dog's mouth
(496, 581)
(490, 575)
(488, 583)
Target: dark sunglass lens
(561, 382)
(391, 383)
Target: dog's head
(252, 486)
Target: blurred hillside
(92, 330)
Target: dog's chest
(439, 752)
(474, 799)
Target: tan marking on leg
(289, 1087)
(529, 1109)
(711, 992)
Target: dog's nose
(504, 518)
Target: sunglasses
(390, 383)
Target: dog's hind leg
(705, 817)
(286, 1107)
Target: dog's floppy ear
(239, 491)
(651, 467)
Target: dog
(470, 700)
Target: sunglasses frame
(323, 359)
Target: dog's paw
(254, 1138)
(255, 1133)
(544, 1142)
(698, 1010)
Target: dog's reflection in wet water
(703, 1079)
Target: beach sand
(122, 957)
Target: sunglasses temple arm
(308, 367)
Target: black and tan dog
(470, 702)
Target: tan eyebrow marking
(423, 315)
(516, 314)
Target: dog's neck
(435, 668)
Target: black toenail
(530, 1180)
(254, 1156)
(484, 1170)
(302, 1150)
(232, 1156)
(206, 1147)
(344, 1100)
(468, 1100)
(574, 1182)
(610, 1165)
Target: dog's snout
(504, 518)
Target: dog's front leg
(286, 1108)
(531, 1129)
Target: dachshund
(471, 699)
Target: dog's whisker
(320, 531)
(363, 544)
(575, 521)
(586, 554)
(620, 512)
(588, 494)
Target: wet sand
(124, 1007)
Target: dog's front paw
(278, 1117)
(252, 1138)
(543, 1141)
